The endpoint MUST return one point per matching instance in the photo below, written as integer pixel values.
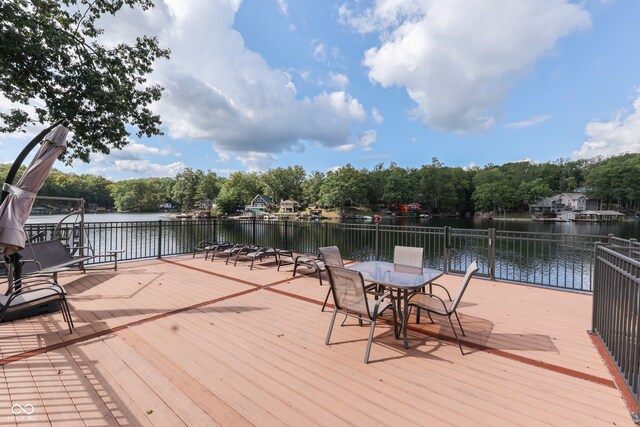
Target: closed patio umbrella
(16, 207)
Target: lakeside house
(551, 207)
(260, 205)
(289, 206)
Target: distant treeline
(615, 181)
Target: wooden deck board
(259, 357)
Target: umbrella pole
(14, 259)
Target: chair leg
(326, 299)
(65, 307)
(333, 319)
(417, 314)
(368, 350)
(458, 319)
(455, 334)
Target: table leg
(397, 328)
(405, 316)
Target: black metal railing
(547, 259)
(616, 308)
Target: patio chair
(352, 300)
(28, 297)
(330, 257)
(436, 305)
(408, 255)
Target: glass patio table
(402, 278)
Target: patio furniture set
(365, 290)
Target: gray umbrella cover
(16, 207)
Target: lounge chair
(436, 305)
(351, 299)
(208, 246)
(256, 252)
(224, 249)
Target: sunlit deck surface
(187, 341)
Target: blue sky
(256, 84)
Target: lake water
(624, 229)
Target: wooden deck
(185, 341)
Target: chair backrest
(408, 255)
(348, 289)
(471, 270)
(331, 256)
(49, 253)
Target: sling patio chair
(408, 255)
(29, 296)
(352, 300)
(330, 257)
(436, 305)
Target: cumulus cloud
(527, 123)
(219, 90)
(455, 58)
(377, 116)
(136, 158)
(284, 7)
(364, 142)
(338, 80)
(147, 168)
(255, 161)
(619, 135)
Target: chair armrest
(445, 289)
(444, 305)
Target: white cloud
(364, 141)
(527, 123)
(619, 135)
(319, 50)
(141, 168)
(284, 7)
(255, 161)
(148, 169)
(455, 58)
(136, 158)
(377, 116)
(338, 80)
(220, 91)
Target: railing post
(610, 236)
(447, 248)
(377, 242)
(326, 234)
(594, 285)
(253, 226)
(286, 234)
(159, 255)
(215, 229)
(492, 253)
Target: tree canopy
(53, 66)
